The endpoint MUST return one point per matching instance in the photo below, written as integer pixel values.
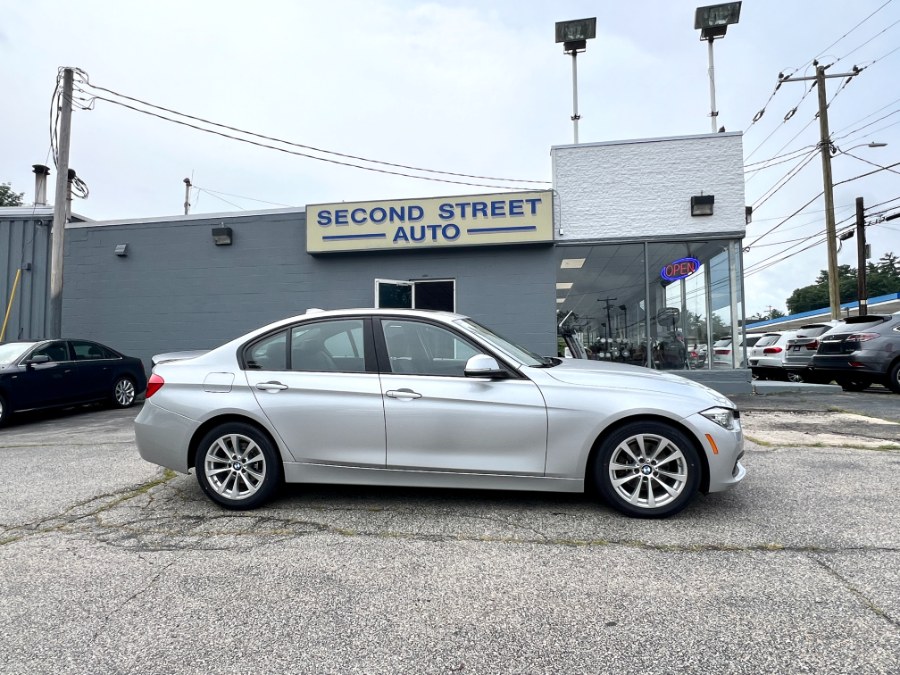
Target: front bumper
(724, 449)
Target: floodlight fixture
(713, 20)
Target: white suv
(766, 357)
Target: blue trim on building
(493, 230)
(335, 237)
(824, 310)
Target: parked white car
(766, 357)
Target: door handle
(402, 393)
(271, 386)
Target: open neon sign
(679, 269)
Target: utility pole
(834, 295)
(60, 207)
(861, 291)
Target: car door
(438, 419)
(49, 383)
(94, 366)
(317, 383)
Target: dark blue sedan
(57, 373)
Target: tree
(8, 197)
(881, 278)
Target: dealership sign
(472, 220)
(679, 269)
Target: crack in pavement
(868, 602)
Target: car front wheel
(123, 393)
(4, 411)
(237, 466)
(647, 470)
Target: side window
(268, 353)
(57, 351)
(90, 351)
(328, 347)
(424, 349)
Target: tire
(237, 466)
(123, 393)
(893, 382)
(641, 489)
(853, 385)
(4, 411)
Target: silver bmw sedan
(431, 399)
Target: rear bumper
(870, 367)
(163, 437)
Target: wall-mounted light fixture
(702, 205)
(222, 236)
(122, 250)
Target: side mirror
(482, 365)
(37, 358)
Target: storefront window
(664, 305)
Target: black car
(56, 373)
(859, 351)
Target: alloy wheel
(235, 466)
(648, 471)
(124, 392)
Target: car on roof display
(432, 399)
(860, 351)
(766, 357)
(58, 373)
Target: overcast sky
(470, 87)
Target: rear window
(752, 340)
(812, 331)
(766, 340)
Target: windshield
(511, 350)
(12, 351)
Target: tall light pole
(712, 22)
(574, 36)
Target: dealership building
(635, 253)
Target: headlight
(724, 417)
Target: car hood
(636, 378)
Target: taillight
(154, 384)
(772, 350)
(812, 346)
(862, 337)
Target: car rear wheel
(124, 392)
(4, 411)
(237, 466)
(647, 470)
(894, 378)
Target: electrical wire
(297, 145)
(852, 51)
(822, 53)
(870, 163)
(304, 154)
(784, 180)
(221, 199)
(252, 199)
(791, 155)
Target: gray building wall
(25, 245)
(176, 290)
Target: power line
(784, 180)
(252, 199)
(304, 154)
(868, 162)
(851, 30)
(290, 143)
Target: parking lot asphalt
(111, 565)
